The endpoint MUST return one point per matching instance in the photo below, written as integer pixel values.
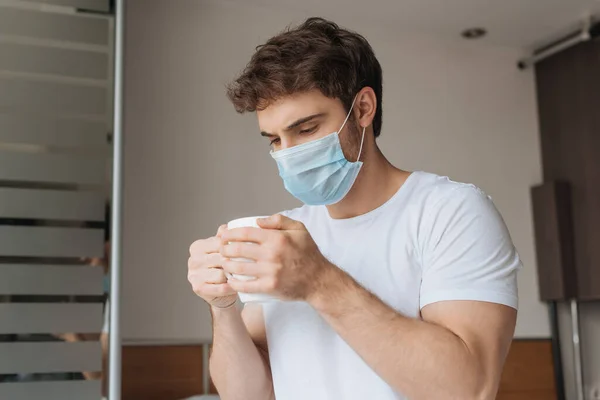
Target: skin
(455, 351)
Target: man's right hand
(206, 275)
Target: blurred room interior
(118, 148)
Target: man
(398, 285)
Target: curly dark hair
(318, 54)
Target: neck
(376, 183)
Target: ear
(365, 107)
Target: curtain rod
(588, 31)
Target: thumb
(221, 230)
(279, 222)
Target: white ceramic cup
(247, 297)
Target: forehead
(287, 110)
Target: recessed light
(474, 33)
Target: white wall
(191, 163)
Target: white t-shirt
(434, 240)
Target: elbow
(474, 395)
(484, 395)
(480, 387)
(461, 391)
(480, 383)
(480, 396)
(483, 389)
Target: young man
(399, 285)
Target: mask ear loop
(362, 140)
(349, 113)
(346, 120)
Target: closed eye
(308, 130)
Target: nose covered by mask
(317, 172)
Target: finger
(215, 276)
(221, 229)
(241, 250)
(254, 235)
(217, 290)
(205, 246)
(253, 286)
(279, 222)
(243, 268)
(205, 261)
(213, 260)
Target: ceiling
(514, 23)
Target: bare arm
(239, 362)
(456, 352)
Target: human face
(305, 117)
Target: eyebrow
(295, 124)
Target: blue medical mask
(317, 172)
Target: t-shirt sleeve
(467, 252)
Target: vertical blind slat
(52, 97)
(50, 280)
(26, 241)
(51, 204)
(52, 168)
(79, 390)
(95, 5)
(34, 318)
(50, 357)
(42, 25)
(57, 132)
(53, 61)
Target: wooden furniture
(161, 372)
(529, 372)
(175, 372)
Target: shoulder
(435, 189)
(437, 194)
(466, 249)
(455, 211)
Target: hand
(206, 275)
(287, 262)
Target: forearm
(237, 367)
(419, 359)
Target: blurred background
(502, 94)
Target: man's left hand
(287, 262)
